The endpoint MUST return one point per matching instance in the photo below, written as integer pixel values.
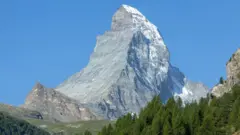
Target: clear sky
(49, 40)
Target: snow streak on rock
(129, 65)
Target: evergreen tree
(152, 108)
(157, 123)
(13, 126)
(210, 116)
(207, 127)
(167, 128)
(221, 81)
(87, 132)
(195, 124)
(235, 111)
(178, 126)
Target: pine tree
(237, 122)
(104, 131)
(211, 116)
(87, 132)
(150, 110)
(235, 111)
(236, 91)
(207, 127)
(109, 129)
(195, 124)
(166, 128)
(221, 81)
(178, 125)
(157, 123)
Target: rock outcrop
(55, 105)
(130, 64)
(233, 75)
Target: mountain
(130, 64)
(211, 116)
(217, 114)
(55, 105)
(233, 76)
(51, 125)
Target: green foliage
(14, 126)
(207, 127)
(210, 116)
(87, 132)
(221, 81)
(238, 75)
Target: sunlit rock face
(233, 75)
(129, 65)
(55, 105)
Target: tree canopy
(13, 126)
(210, 116)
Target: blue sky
(48, 41)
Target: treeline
(13, 126)
(210, 116)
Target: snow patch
(131, 9)
(186, 95)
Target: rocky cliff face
(233, 75)
(55, 105)
(130, 64)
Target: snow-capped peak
(130, 64)
(132, 10)
(127, 17)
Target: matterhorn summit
(129, 65)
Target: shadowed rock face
(55, 105)
(129, 65)
(233, 75)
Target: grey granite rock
(233, 76)
(129, 65)
(55, 105)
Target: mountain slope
(233, 76)
(72, 128)
(10, 125)
(130, 64)
(20, 112)
(217, 114)
(211, 116)
(55, 105)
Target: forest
(210, 116)
(13, 126)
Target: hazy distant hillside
(20, 112)
(13, 126)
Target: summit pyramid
(130, 64)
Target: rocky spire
(38, 86)
(126, 17)
(130, 64)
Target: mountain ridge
(55, 105)
(130, 64)
(233, 75)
